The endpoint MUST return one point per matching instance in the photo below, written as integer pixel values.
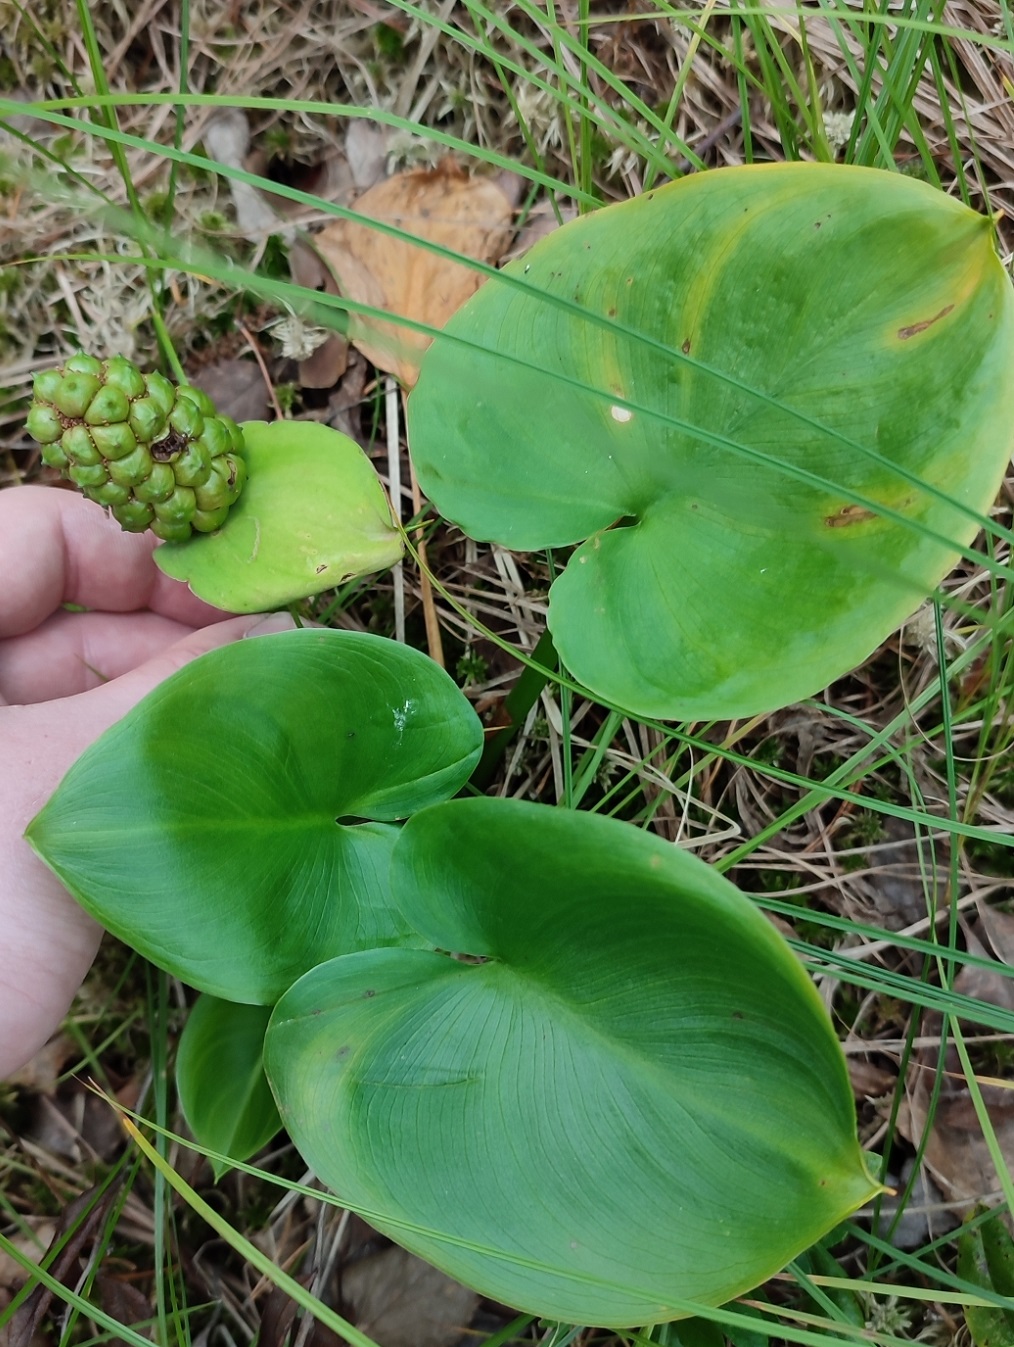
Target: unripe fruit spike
(155, 455)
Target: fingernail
(274, 622)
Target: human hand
(65, 677)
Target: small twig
(434, 641)
(252, 343)
(394, 483)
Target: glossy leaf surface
(220, 1077)
(748, 396)
(235, 826)
(636, 1099)
(312, 514)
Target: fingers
(87, 715)
(56, 547)
(48, 949)
(74, 652)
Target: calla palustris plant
(554, 1055)
(769, 403)
(558, 1057)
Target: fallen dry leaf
(236, 387)
(999, 927)
(983, 984)
(33, 1246)
(956, 1152)
(77, 1229)
(124, 1303)
(400, 1301)
(868, 1080)
(41, 1074)
(444, 205)
(278, 1318)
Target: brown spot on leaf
(685, 348)
(848, 514)
(915, 328)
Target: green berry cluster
(157, 455)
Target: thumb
(58, 732)
(103, 706)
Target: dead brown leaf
(125, 1303)
(999, 927)
(41, 1074)
(982, 984)
(400, 1301)
(956, 1150)
(278, 1318)
(868, 1080)
(444, 205)
(236, 387)
(33, 1246)
(79, 1224)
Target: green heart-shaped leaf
(636, 1099)
(223, 1090)
(721, 387)
(212, 828)
(312, 515)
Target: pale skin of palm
(65, 677)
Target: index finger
(56, 548)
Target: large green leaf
(312, 514)
(726, 387)
(218, 828)
(635, 1099)
(223, 1090)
